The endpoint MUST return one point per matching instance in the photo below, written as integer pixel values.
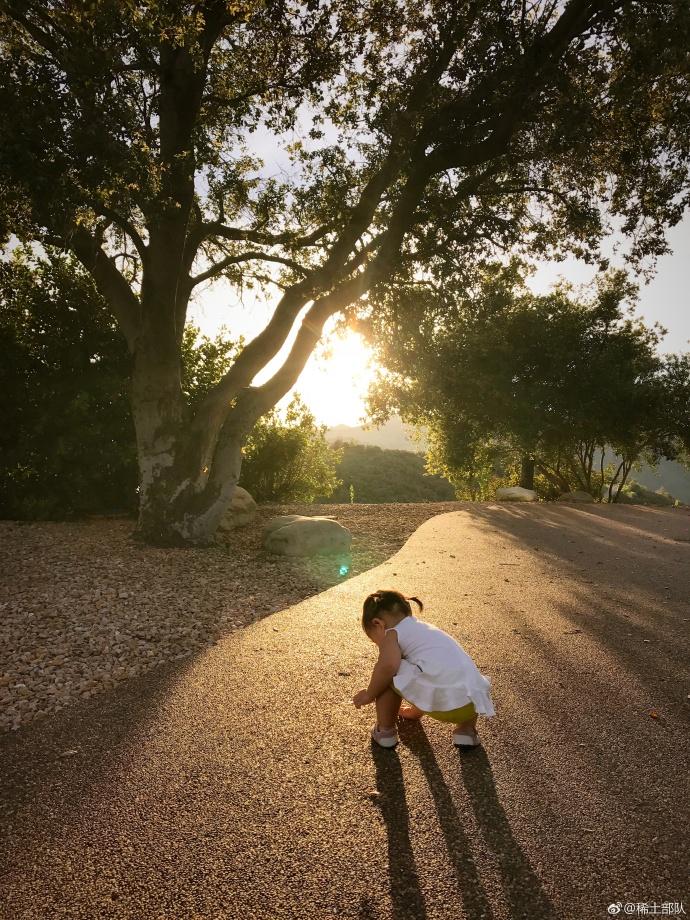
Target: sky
(334, 387)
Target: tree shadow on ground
(618, 597)
(38, 764)
(644, 518)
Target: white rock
(306, 536)
(283, 519)
(241, 510)
(577, 496)
(516, 494)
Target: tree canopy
(505, 374)
(417, 140)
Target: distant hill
(378, 475)
(395, 435)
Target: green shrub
(633, 493)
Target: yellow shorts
(461, 714)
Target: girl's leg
(387, 706)
(410, 711)
(469, 726)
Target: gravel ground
(84, 607)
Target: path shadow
(618, 593)
(52, 768)
(406, 894)
(474, 897)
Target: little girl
(424, 666)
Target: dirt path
(241, 783)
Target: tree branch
(576, 17)
(267, 344)
(349, 291)
(218, 267)
(111, 284)
(122, 223)
(217, 228)
(309, 333)
(532, 189)
(18, 12)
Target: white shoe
(386, 738)
(466, 739)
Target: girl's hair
(392, 601)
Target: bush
(67, 441)
(289, 460)
(633, 493)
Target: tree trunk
(176, 511)
(187, 474)
(555, 477)
(626, 466)
(527, 471)
(180, 502)
(182, 497)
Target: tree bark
(527, 471)
(180, 503)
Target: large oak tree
(439, 133)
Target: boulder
(577, 496)
(297, 535)
(636, 494)
(516, 494)
(241, 510)
(284, 519)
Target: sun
(337, 376)
(335, 385)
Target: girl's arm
(384, 671)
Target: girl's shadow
(522, 888)
(406, 894)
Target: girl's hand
(361, 699)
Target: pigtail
(389, 600)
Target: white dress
(436, 673)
